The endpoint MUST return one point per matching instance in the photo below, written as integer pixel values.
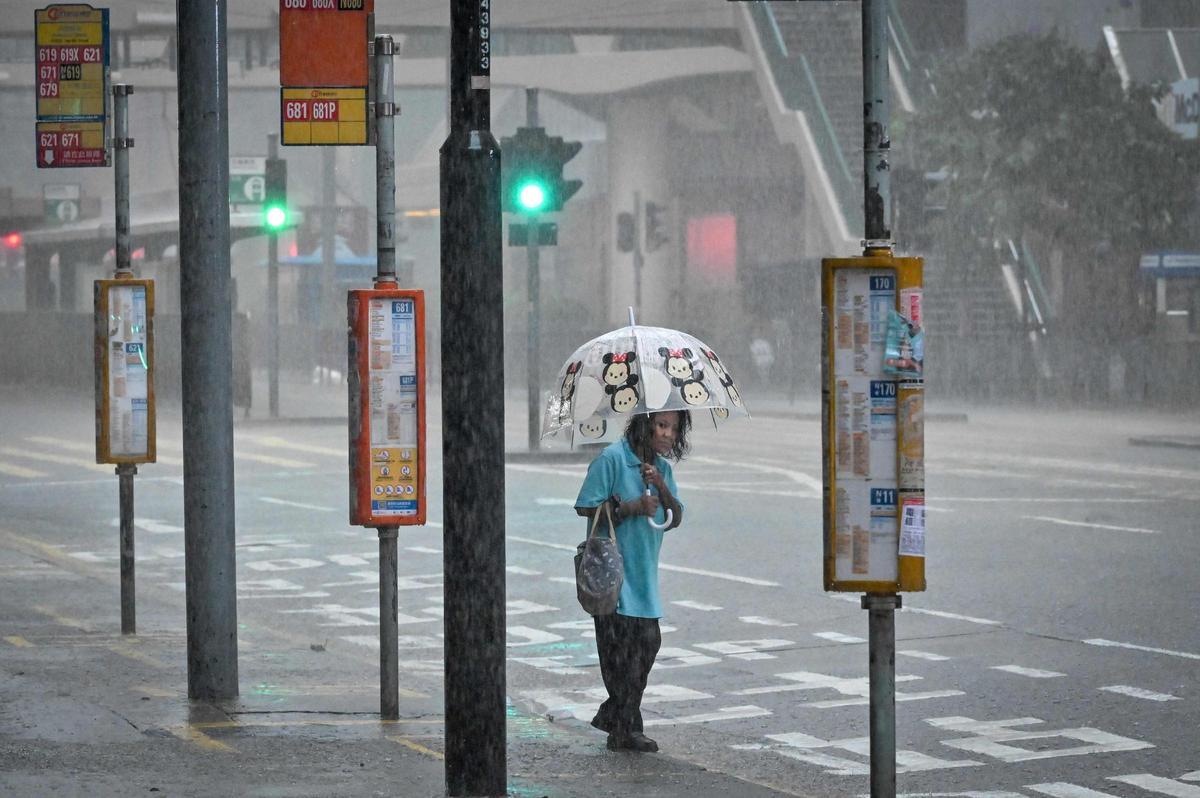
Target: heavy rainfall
(334, 331)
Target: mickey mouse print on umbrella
(638, 369)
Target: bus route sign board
(324, 70)
(71, 62)
(70, 144)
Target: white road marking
(268, 459)
(1064, 522)
(740, 647)
(812, 483)
(669, 658)
(1138, 692)
(528, 636)
(954, 616)
(1042, 500)
(691, 605)
(838, 637)
(151, 525)
(967, 794)
(859, 689)
(1099, 641)
(853, 599)
(424, 550)
(724, 713)
(526, 607)
(282, 443)
(56, 458)
(1159, 785)
(761, 621)
(90, 448)
(906, 761)
(285, 564)
(20, 471)
(990, 738)
(1032, 673)
(572, 471)
(746, 580)
(546, 501)
(519, 571)
(566, 580)
(298, 505)
(1193, 776)
(1060, 789)
(923, 655)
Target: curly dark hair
(640, 432)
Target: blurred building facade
(732, 131)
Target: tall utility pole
(272, 299)
(877, 205)
(206, 350)
(473, 416)
(533, 341)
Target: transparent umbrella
(634, 370)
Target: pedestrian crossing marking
(1138, 692)
(694, 605)
(724, 713)
(271, 441)
(1060, 789)
(268, 459)
(1159, 785)
(1032, 673)
(925, 655)
(991, 738)
(58, 459)
(90, 448)
(21, 471)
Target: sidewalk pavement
(86, 711)
(89, 712)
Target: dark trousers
(627, 648)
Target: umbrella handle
(656, 525)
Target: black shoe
(632, 742)
(602, 724)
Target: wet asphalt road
(1055, 653)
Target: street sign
(60, 203)
(247, 183)
(72, 61)
(324, 70)
(323, 116)
(873, 431)
(72, 79)
(71, 144)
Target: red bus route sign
(323, 43)
(71, 60)
(71, 144)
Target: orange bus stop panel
(322, 45)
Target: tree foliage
(1041, 141)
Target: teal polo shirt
(617, 470)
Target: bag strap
(612, 532)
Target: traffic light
(531, 179)
(275, 207)
(656, 233)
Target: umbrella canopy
(638, 370)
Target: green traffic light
(276, 217)
(532, 196)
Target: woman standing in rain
(634, 477)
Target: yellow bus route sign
(71, 62)
(324, 116)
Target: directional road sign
(60, 202)
(247, 183)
